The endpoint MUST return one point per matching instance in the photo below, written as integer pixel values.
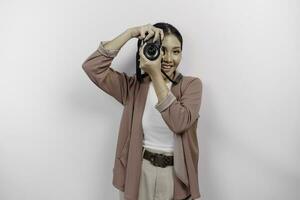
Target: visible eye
(177, 51)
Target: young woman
(157, 149)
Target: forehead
(170, 42)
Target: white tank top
(157, 134)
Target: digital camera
(152, 49)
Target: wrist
(130, 33)
(155, 75)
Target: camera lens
(152, 49)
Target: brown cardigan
(179, 110)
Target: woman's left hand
(152, 67)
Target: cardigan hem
(119, 187)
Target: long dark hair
(168, 29)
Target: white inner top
(157, 134)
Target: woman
(157, 149)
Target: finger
(157, 32)
(142, 34)
(150, 34)
(161, 34)
(142, 46)
(161, 54)
(141, 51)
(143, 59)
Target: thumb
(161, 54)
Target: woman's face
(171, 55)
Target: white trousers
(156, 183)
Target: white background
(58, 131)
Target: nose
(167, 57)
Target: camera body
(152, 49)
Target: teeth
(167, 66)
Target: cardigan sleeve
(179, 115)
(98, 68)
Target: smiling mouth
(166, 66)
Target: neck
(172, 76)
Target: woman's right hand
(146, 31)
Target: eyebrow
(173, 47)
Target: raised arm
(181, 114)
(97, 67)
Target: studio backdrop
(58, 130)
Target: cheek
(177, 60)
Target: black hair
(168, 29)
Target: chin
(169, 73)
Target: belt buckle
(158, 160)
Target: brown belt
(158, 160)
